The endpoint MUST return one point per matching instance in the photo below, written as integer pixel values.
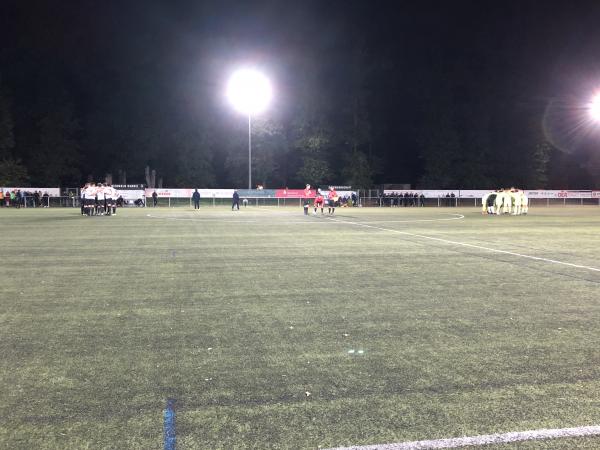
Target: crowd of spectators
(449, 200)
(406, 199)
(18, 198)
(396, 199)
(348, 200)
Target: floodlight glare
(249, 91)
(595, 108)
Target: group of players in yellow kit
(505, 201)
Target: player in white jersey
(487, 203)
(515, 195)
(499, 202)
(524, 203)
(88, 195)
(113, 195)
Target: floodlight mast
(249, 91)
(249, 151)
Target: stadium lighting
(249, 92)
(595, 108)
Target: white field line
(294, 222)
(464, 244)
(457, 217)
(485, 439)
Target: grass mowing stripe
(485, 439)
(465, 244)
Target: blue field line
(169, 425)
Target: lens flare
(595, 108)
(572, 124)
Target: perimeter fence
(444, 202)
(372, 199)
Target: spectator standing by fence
(154, 199)
(196, 199)
(235, 201)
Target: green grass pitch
(276, 330)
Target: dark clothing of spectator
(154, 199)
(196, 199)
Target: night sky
(142, 83)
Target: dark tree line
(421, 94)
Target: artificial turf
(276, 330)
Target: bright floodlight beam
(249, 91)
(595, 108)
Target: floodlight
(249, 91)
(595, 107)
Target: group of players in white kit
(505, 201)
(98, 200)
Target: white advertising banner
(541, 194)
(397, 192)
(579, 194)
(429, 193)
(479, 193)
(131, 194)
(52, 192)
(342, 193)
(475, 193)
(559, 194)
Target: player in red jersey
(307, 195)
(319, 200)
(332, 197)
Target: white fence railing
(249, 201)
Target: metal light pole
(249, 151)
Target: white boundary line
(456, 217)
(464, 244)
(294, 222)
(486, 439)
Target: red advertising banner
(595, 194)
(295, 193)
